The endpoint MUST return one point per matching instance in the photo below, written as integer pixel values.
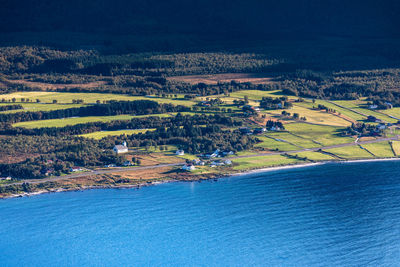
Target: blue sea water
(326, 215)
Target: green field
(325, 135)
(380, 149)
(39, 107)
(356, 105)
(350, 152)
(345, 112)
(298, 141)
(48, 97)
(272, 144)
(392, 112)
(315, 156)
(263, 162)
(396, 147)
(102, 134)
(314, 116)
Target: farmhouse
(373, 106)
(119, 149)
(180, 152)
(381, 126)
(75, 169)
(259, 130)
(275, 128)
(188, 167)
(228, 162)
(198, 162)
(127, 163)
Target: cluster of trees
(360, 129)
(275, 103)
(140, 67)
(56, 154)
(137, 107)
(147, 85)
(10, 107)
(193, 139)
(323, 107)
(274, 124)
(147, 73)
(295, 116)
(195, 134)
(135, 123)
(378, 86)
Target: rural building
(227, 162)
(228, 153)
(188, 167)
(180, 152)
(76, 169)
(212, 155)
(373, 106)
(259, 130)
(127, 163)
(119, 149)
(217, 163)
(275, 128)
(198, 162)
(373, 119)
(388, 105)
(110, 165)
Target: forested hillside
(329, 17)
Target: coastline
(196, 177)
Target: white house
(188, 167)
(373, 106)
(127, 163)
(228, 162)
(76, 169)
(381, 126)
(215, 154)
(180, 152)
(119, 149)
(275, 128)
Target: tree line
(135, 123)
(137, 107)
(10, 107)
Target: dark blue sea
(345, 214)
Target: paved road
(116, 170)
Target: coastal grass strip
(323, 134)
(350, 152)
(314, 156)
(396, 147)
(380, 149)
(263, 162)
(272, 144)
